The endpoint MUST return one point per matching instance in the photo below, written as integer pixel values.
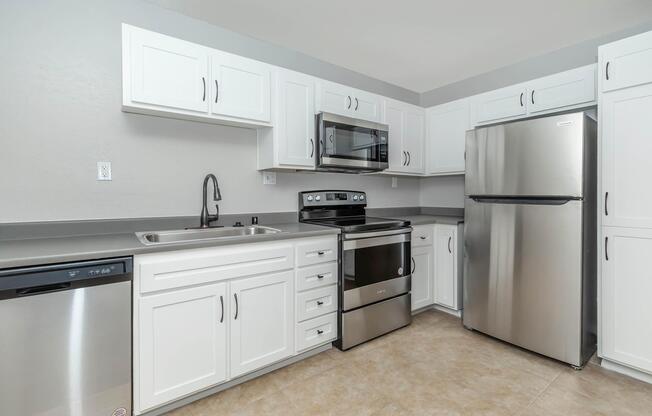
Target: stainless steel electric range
(374, 264)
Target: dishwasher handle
(38, 280)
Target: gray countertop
(431, 219)
(58, 249)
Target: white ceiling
(420, 44)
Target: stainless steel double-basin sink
(200, 234)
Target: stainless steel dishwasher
(65, 339)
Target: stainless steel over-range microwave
(350, 145)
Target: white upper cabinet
(262, 321)
(240, 87)
(626, 63)
(626, 147)
(181, 343)
(347, 101)
(498, 105)
(171, 77)
(163, 72)
(569, 88)
(406, 137)
(291, 143)
(447, 126)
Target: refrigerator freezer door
(522, 278)
(536, 158)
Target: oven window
(365, 266)
(357, 143)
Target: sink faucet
(207, 218)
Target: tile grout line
(540, 393)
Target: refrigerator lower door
(523, 274)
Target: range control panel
(331, 198)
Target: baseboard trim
(234, 382)
(628, 371)
(457, 314)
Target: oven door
(348, 143)
(375, 266)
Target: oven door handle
(357, 236)
(375, 241)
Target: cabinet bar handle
(235, 295)
(532, 96)
(319, 303)
(203, 81)
(349, 106)
(356, 103)
(320, 276)
(606, 70)
(606, 247)
(521, 99)
(422, 237)
(312, 148)
(319, 332)
(320, 253)
(404, 157)
(222, 304)
(217, 90)
(449, 245)
(414, 266)
(606, 198)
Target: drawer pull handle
(222, 304)
(422, 237)
(321, 253)
(449, 245)
(320, 276)
(319, 332)
(235, 295)
(319, 303)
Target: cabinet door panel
(165, 72)
(565, 89)
(182, 343)
(626, 63)
(394, 118)
(334, 98)
(626, 149)
(445, 266)
(262, 324)
(365, 106)
(240, 87)
(501, 104)
(422, 277)
(447, 126)
(296, 120)
(413, 140)
(625, 297)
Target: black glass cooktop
(361, 223)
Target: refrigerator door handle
(522, 201)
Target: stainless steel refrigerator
(530, 234)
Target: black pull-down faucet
(207, 218)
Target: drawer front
(316, 331)
(320, 250)
(316, 302)
(422, 235)
(162, 271)
(316, 276)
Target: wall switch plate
(394, 182)
(103, 171)
(269, 178)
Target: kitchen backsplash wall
(442, 191)
(60, 99)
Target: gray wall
(584, 53)
(60, 97)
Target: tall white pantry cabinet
(625, 172)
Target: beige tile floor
(433, 367)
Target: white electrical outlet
(394, 182)
(103, 171)
(269, 178)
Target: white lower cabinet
(448, 266)
(625, 307)
(422, 277)
(182, 340)
(229, 311)
(262, 324)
